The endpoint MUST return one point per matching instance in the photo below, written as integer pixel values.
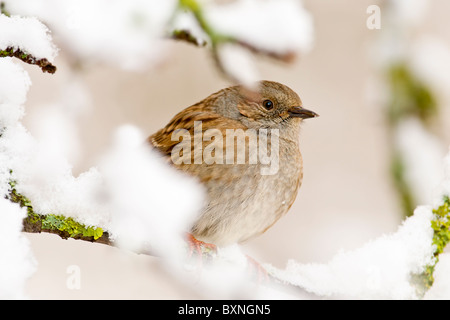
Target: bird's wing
(166, 140)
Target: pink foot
(198, 246)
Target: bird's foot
(205, 250)
(199, 247)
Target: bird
(242, 199)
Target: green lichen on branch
(441, 238)
(70, 227)
(65, 227)
(44, 64)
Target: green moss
(73, 228)
(67, 227)
(44, 64)
(16, 197)
(8, 52)
(441, 226)
(441, 238)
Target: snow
(150, 202)
(133, 194)
(279, 26)
(430, 61)
(275, 27)
(45, 176)
(14, 84)
(186, 21)
(231, 275)
(445, 186)
(122, 33)
(422, 155)
(128, 33)
(400, 20)
(122, 195)
(408, 13)
(16, 260)
(130, 194)
(223, 278)
(27, 34)
(441, 287)
(138, 198)
(239, 64)
(381, 269)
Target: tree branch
(217, 39)
(186, 36)
(441, 238)
(57, 224)
(68, 228)
(44, 64)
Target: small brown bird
(250, 183)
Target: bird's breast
(250, 198)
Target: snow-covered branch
(277, 29)
(28, 40)
(44, 64)
(56, 224)
(396, 266)
(89, 31)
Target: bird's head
(271, 105)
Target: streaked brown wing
(164, 142)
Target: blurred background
(355, 188)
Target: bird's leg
(198, 246)
(256, 269)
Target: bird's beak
(300, 112)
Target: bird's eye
(268, 104)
